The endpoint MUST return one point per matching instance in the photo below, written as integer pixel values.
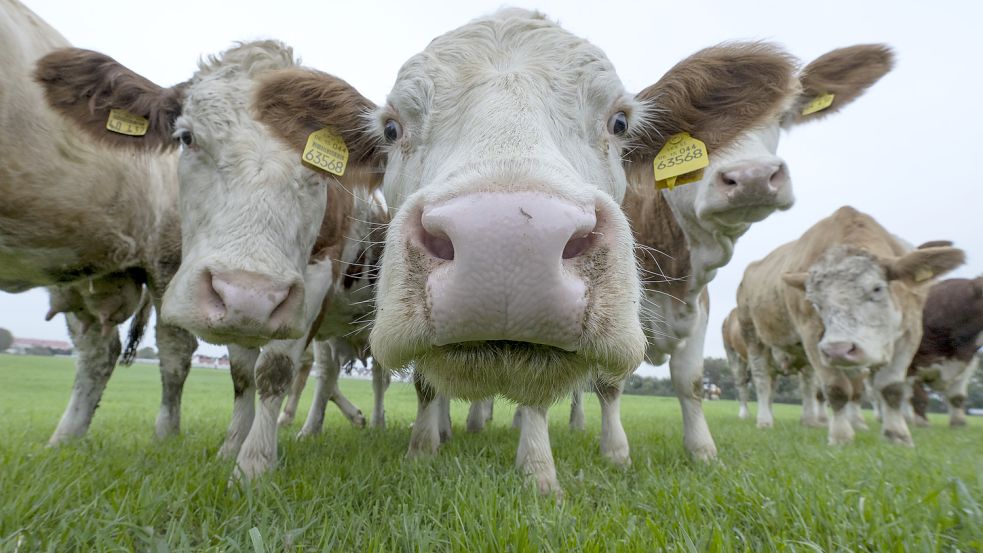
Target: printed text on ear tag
(681, 156)
(818, 103)
(326, 150)
(123, 122)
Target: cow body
(847, 296)
(946, 359)
(92, 225)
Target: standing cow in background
(946, 359)
(736, 351)
(93, 225)
(848, 296)
(684, 234)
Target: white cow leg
(761, 372)
(534, 457)
(855, 406)
(838, 391)
(891, 389)
(743, 395)
(478, 414)
(380, 383)
(175, 348)
(324, 362)
(686, 369)
(517, 419)
(425, 436)
(958, 389)
(97, 355)
(614, 441)
(444, 420)
(810, 405)
(242, 364)
(275, 370)
(577, 409)
(330, 376)
(296, 389)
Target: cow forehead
(843, 270)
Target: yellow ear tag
(680, 161)
(123, 122)
(819, 103)
(923, 274)
(326, 150)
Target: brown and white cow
(848, 296)
(93, 226)
(685, 234)
(952, 332)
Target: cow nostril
(438, 246)
(576, 246)
(728, 180)
(778, 177)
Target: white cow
(91, 224)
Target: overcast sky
(903, 153)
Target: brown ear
(846, 73)
(715, 95)
(796, 280)
(926, 264)
(84, 86)
(935, 244)
(293, 103)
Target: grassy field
(351, 490)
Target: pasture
(352, 490)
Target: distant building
(201, 360)
(35, 346)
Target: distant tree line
(6, 339)
(716, 371)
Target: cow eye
(392, 131)
(877, 289)
(618, 123)
(186, 138)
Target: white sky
(902, 152)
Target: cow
(736, 351)
(96, 228)
(684, 234)
(952, 332)
(847, 299)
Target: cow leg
(686, 369)
(873, 397)
(957, 391)
(614, 441)
(855, 411)
(479, 414)
(889, 382)
(425, 435)
(97, 355)
(242, 364)
(517, 419)
(577, 409)
(763, 379)
(810, 407)
(330, 378)
(838, 391)
(534, 457)
(296, 389)
(175, 347)
(324, 362)
(444, 419)
(380, 383)
(916, 406)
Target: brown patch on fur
(716, 94)
(837, 396)
(84, 85)
(274, 374)
(846, 72)
(240, 380)
(893, 394)
(654, 226)
(293, 103)
(336, 222)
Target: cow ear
(796, 280)
(715, 95)
(845, 73)
(925, 264)
(85, 86)
(294, 103)
(935, 244)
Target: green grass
(351, 490)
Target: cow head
(869, 303)
(509, 265)
(746, 181)
(249, 212)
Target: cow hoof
(955, 423)
(899, 438)
(250, 466)
(379, 423)
(358, 421)
(812, 423)
(705, 454)
(860, 425)
(166, 427)
(840, 438)
(743, 414)
(548, 486)
(765, 424)
(618, 457)
(229, 450)
(284, 420)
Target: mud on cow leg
(894, 428)
(838, 395)
(274, 373)
(957, 410)
(380, 383)
(444, 419)
(425, 436)
(534, 457)
(242, 364)
(614, 441)
(577, 409)
(96, 360)
(176, 346)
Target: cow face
(747, 181)
(868, 304)
(249, 212)
(509, 265)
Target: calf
(92, 226)
(848, 296)
(946, 359)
